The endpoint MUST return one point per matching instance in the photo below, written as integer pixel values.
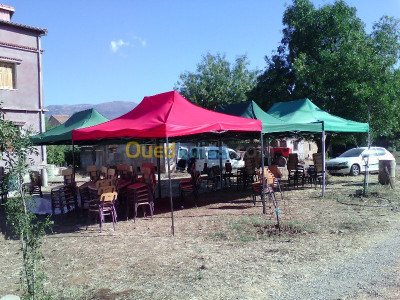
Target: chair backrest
(103, 172)
(104, 182)
(275, 171)
(270, 178)
(317, 158)
(215, 170)
(196, 179)
(35, 178)
(133, 177)
(93, 173)
(111, 173)
(106, 189)
(293, 161)
(68, 176)
(122, 171)
(108, 198)
(149, 178)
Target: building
(21, 88)
(56, 120)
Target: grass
(225, 248)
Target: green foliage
(326, 55)
(216, 82)
(56, 155)
(15, 149)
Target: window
(380, 151)
(7, 75)
(295, 145)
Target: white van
(208, 155)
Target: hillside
(110, 110)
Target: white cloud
(115, 45)
(142, 42)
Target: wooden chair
(295, 172)
(149, 178)
(139, 195)
(103, 206)
(68, 176)
(63, 197)
(228, 174)
(94, 174)
(122, 171)
(270, 185)
(35, 186)
(103, 172)
(190, 186)
(317, 172)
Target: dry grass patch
(226, 248)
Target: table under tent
(169, 117)
(296, 116)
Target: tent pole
(268, 153)
(323, 160)
(73, 160)
(159, 169)
(170, 188)
(220, 162)
(263, 174)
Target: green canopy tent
(62, 134)
(304, 111)
(270, 124)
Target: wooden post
(387, 170)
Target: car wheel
(355, 170)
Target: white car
(354, 161)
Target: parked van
(208, 155)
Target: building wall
(23, 103)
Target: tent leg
(263, 175)
(73, 160)
(159, 170)
(170, 187)
(323, 161)
(220, 163)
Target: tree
(326, 55)
(15, 150)
(216, 82)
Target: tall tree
(216, 82)
(327, 56)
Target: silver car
(354, 161)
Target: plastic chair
(296, 173)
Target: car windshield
(352, 153)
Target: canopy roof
(166, 115)
(304, 111)
(62, 134)
(270, 124)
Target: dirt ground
(226, 248)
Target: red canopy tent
(164, 116)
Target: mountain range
(110, 110)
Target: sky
(124, 50)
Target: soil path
(372, 273)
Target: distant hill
(110, 110)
